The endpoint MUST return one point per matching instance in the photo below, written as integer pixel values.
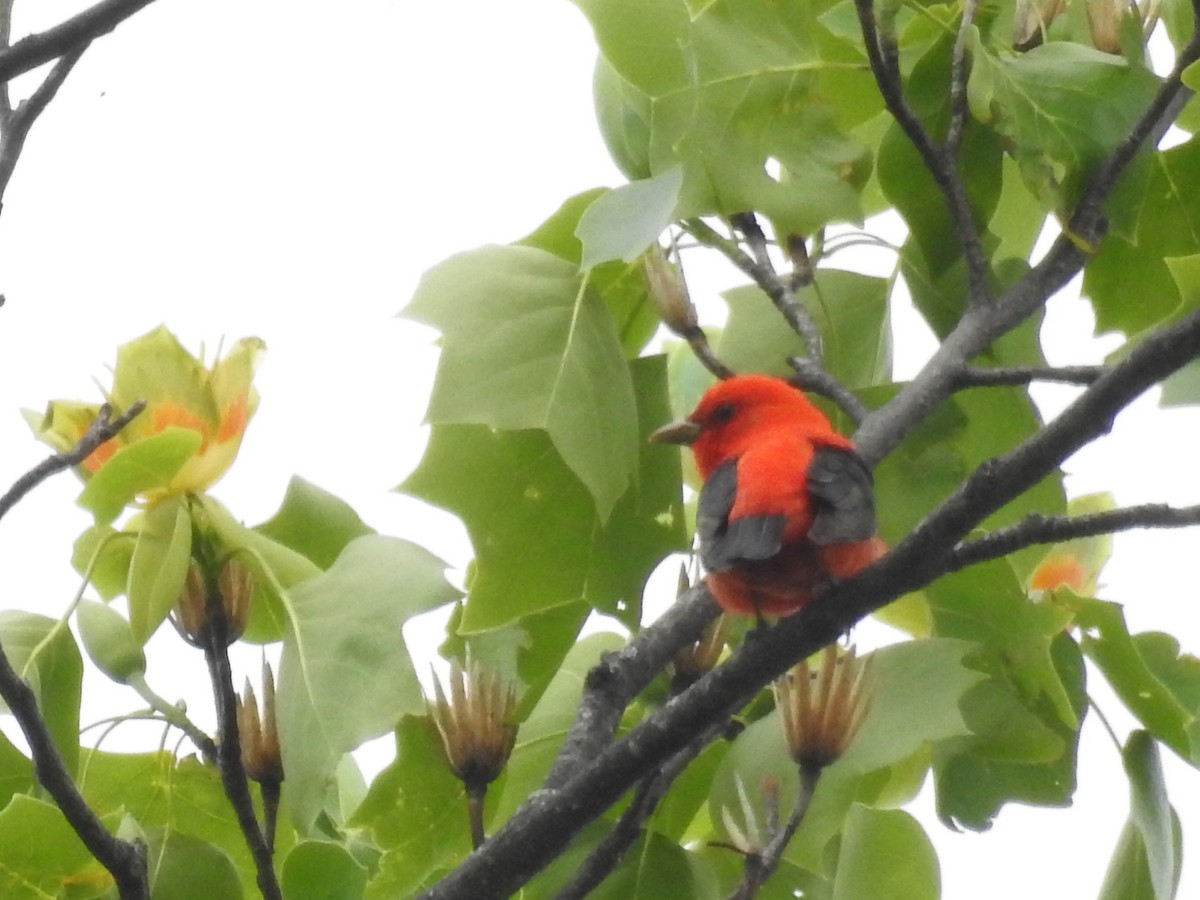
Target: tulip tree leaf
(539, 541)
(322, 870)
(1160, 685)
(314, 523)
(527, 344)
(102, 554)
(187, 867)
(729, 91)
(621, 285)
(885, 853)
(147, 464)
(168, 795)
(44, 653)
(159, 565)
(1033, 99)
(1151, 813)
(345, 675)
(414, 811)
(37, 868)
(624, 222)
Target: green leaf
(44, 653)
(16, 771)
(159, 565)
(1120, 271)
(729, 92)
(52, 863)
(314, 523)
(538, 540)
(102, 555)
(321, 870)
(1165, 698)
(143, 466)
(528, 651)
(1022, 752)
(655, 868)
(416, 811)
(1033, 100)
(1150, 812)
(172, 796)
(186, 867)
(109, 641)
(885, 853)
(623, 223)
(623, 287)
(345, 675)
(1128, 875)
(850, 310)
(528, 345)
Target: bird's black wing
(724, 543)
(842, 490)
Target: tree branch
(229, 746)
(811, 377)
(125, 860)
(883, 56)
(76, 32)
(975, 376)
(15, 124)
(607, 855)
(1039, 529)
(958, 81)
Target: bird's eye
(723, 413)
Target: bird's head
(735, 413)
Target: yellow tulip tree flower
(186, 438)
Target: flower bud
(669, 292)
(235, 590)
(261, 757)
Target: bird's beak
(676, 433)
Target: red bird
(787, 504)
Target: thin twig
(763, 274)
(38, 49)
(1040, 529)
(5, 37)
(698, 341)
(811, 377)
(883, 55)
(15, 125)
(760, 866)
(958, 81)
(102, 429)
(975, 376)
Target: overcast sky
(288, 169)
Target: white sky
(288, 170)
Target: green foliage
(553, 373)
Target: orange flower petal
(1058, 571)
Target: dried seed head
(1032, 18)
(821, 711)
(475, 723)
(261, 757)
